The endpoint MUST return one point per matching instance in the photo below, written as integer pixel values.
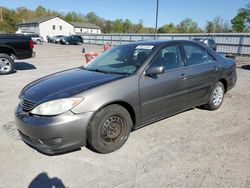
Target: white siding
(28, 28)
(46, 28)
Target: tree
(24, 13)
(41, 11)
(137, 28)
(188, 26)
(209, 27)
(217, 25)
(73, 17)
(107, 27)
(91, 17)
(9, 21)
(127, 26)
(241, 22)
(118, 26)
(168, 28)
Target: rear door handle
(216, 68)
(183, 76)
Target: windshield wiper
(105, 71)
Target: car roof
(159, 42)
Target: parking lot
(197, 148)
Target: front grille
(27, 105)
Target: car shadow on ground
(24, 66)
(43, 180)
(246, 67)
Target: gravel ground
(197, 148)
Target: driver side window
(168, 57)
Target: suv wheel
(6, 64)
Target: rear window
(197, 55)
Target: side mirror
(154, 71)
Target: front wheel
(216, 97)
(109, 129)
(6, 64)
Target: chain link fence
(232, 43)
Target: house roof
(38, 20)
(85, 25)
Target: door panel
(166, 93)
(202, 72)
(200, 81)
(163, 95)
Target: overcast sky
(169, 10)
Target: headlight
(56, 107)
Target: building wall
(61, 27)
(88, 30)
(28, 28)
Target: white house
(86, 28)
(54, 25)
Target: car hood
(65, 84)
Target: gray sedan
(125, 88)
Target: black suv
(73, 39)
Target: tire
(216, 97)
(6, 64)
(38, 42)
(109, 129)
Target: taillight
(31, 44)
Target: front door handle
(183, 76)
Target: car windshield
(121, 59)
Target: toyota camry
(127, 87)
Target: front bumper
(55, 134)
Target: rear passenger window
(197, 55)
(169, 57)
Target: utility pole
(156, 18)
(1, 14)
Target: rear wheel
(6, 64)
(216, 97)
(109, 129)
(39, 42)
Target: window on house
(53, 27)
(60, 27)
